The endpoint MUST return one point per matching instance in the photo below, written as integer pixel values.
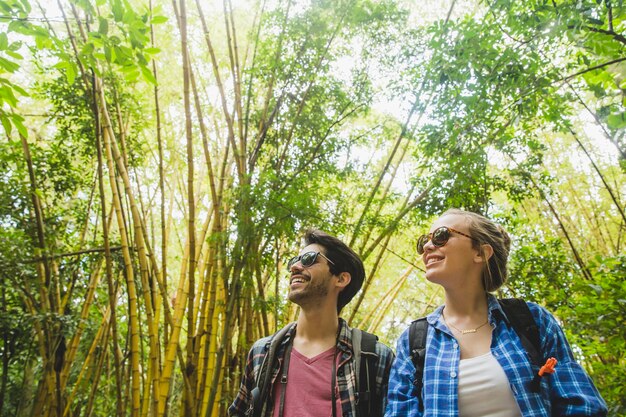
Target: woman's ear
(484, 253)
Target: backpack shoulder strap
(365, 357)
(523, 323)
(417, 345)
(264, 376)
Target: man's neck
(316, 331)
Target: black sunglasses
(439, 237)
(307, 259)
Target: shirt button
(340, 372)
(453, 374)
(455, 345)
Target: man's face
(309, 285)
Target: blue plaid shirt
(346, 373)
(567, 392)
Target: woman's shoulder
(537, 310)
(544, 318)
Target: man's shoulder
(263, 344)
(382, 350)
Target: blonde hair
(487, 232)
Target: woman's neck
(464, 304)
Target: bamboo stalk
(369, 279)
(383, 198)
(106, 223)
(608, 188)
(392, 289)
(129, 276)
(97, 371)
(191, 217)
(86, 364)
(239, 153)
(233, 55)
(176, 326)
(72, 347)
(213, 341)
(47, 299)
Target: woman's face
(454, 261)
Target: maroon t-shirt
(308, 386)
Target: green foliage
(542, 271)
(10, 60)
(594, 316)
(300, 150)
(122, 39)
(592, 312)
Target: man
(316, 362)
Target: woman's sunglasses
(439, 237)
(307, 259)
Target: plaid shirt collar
(493, 310)
(344, 339)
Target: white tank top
(484, 389)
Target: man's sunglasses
(439, 237)
(307, 259)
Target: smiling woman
(470, 339)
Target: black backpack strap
(264, 376)
(367, 401)
(523, 322)
(417, 344)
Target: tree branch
(610, 32)
(606, 64)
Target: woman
(475, 364)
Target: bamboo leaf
(20, 90)
(15, 55)
(152, 51)
(617, 121)
(118, 10)
(70, 73)
(18, 123)
(103, 26)
(108, 54)
(6, 95)
(147, 75)
(6, 123)
(7, 65)
(157, 20)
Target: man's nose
(297, 266)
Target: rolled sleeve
(572, 392)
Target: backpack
(519, 316)
(367, 401)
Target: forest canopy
(160, 162)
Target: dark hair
(345, 259)
(486, 231)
